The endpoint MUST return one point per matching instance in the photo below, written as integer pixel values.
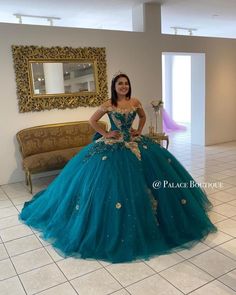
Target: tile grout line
(193, 289)
(166, 269)
(54, 262)
(207, 271)
(214, 280)
(224, 253)
(28, 251)
(115, 279)
(82, 275)
(40, 292)
(119, 290)
(15, 270)
(225, 283)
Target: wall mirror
(59, 77)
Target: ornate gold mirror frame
(32, 62)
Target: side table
(159, 137)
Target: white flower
(156, 104)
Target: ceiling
(216, 18)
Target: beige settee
(50, 147)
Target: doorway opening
(183, 86)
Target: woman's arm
(94, 123)
(142, 118)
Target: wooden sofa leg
(29, 181)
(26, 179)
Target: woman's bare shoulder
(105, 106)
(106, 103)
(135, 102)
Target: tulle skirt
(119, 202)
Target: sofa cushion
(48, 161)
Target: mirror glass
(62, 77)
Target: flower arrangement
(156, 105)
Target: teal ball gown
(121, 200)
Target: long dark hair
(114, 96)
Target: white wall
(136, 53)
(167, 88)
(198, 114)
(126, 51)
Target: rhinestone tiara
(117, 74)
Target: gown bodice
(122, 120)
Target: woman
(123, 197)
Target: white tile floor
(28, 265)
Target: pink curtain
(169, 125)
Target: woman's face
(122, 86)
